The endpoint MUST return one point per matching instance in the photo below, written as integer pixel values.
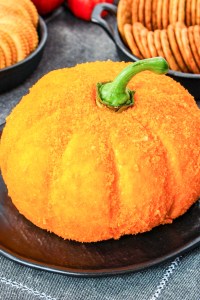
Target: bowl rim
(42, 40)
(121, 45)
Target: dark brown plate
(29, 245)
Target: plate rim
(98, 272)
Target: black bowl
(190, 81)
(14, 75)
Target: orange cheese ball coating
(89, 174)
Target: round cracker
(177, 29)
(165, 13)
(2, 59)
(198, 13)
(181, 10)
(188, 12)
(26, 7)
(16, 6)
(196, 33)
(167, 51)
(148, 14)
(137, 27)
(6, 49)
(170, 11)
(124, 16)
(31, 34)
(12, 46)
(19, 39)
(131, 41)
(141, 16)
(32, 37)
(180, 25)
(173, 16)
(15, 24)
(193, 47)
(6, 10)
(159, 14)
(32, 11)
(144, 33)
(151, 44)
(135, 9)
(26, 27)
(175, 49)
(193, 12)
(187, 52)
(157, 42)
(154, 18)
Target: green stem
(116, 95)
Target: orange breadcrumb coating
(89, 174)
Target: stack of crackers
(167, 28)
(18, 31)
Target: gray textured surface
(177, 279)
(73, 41)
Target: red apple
(45, 7)
(83, 8)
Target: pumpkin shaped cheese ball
(93, 152)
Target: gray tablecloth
(72, 41)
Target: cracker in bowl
(169, 21)
(18, 31)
